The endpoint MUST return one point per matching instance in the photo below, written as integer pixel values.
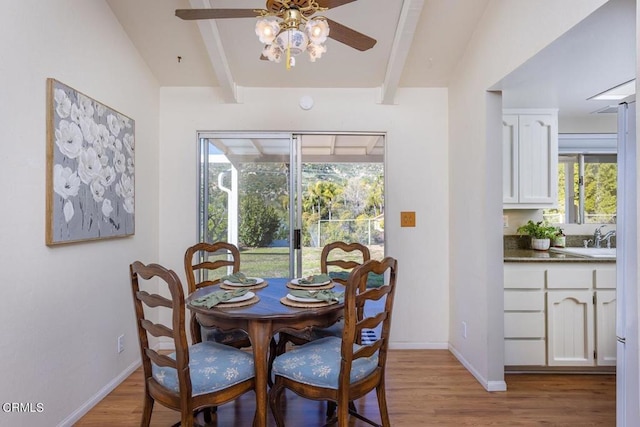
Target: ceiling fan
(290, 27)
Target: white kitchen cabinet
(559, 314)
(570, 324)
(524, 315)
(606, 328)
(530, 158)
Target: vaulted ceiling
(418, 44)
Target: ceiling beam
(213, 44)
(407, 23)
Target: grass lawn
(274, 262)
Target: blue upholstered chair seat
(318, 363)
(212, 366)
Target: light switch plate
(505, 221)
(407, 219)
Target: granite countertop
(530, 255)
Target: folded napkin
(314, 280)
(324, 295)
(216, 297)
(239, 277)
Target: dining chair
(335, 260)
(343, 369)
(208, 272)
(200, 376)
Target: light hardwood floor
(424, 388)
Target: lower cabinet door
(524, 352)
(570, 325)
(606, 327)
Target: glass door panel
(342, 192)
(245, 187)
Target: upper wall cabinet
(530, 158)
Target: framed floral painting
(90, 168)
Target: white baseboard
(94, 400)
(488, 385)
(418, 345)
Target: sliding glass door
(280, 197)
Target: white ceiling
(595, 55)
(419, 45)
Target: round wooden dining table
(262, 321)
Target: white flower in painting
(63, 103)
(102, 136)
(118, 144)
(76, 115)
(97, 190)
(129, 143)
(107, 176)
(102, 154)
(125, 122)
(68, 210)
(130, 166)
(89, 165)
(65, 181)
(69, 139)
(106, 207)
(85, 105)
(125, 187)
(114, 124)
(119, 162)
(100, 109)
(112, 143)
(89, 129)
(128, 205)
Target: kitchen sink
(602, 253)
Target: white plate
(296, 282)
(244, 297)
(302, 299)
(258, 281)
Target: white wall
(509, 33)
(61, 308)
(416, 177)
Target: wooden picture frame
(90, 191)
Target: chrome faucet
(608, 237)
(598, 237)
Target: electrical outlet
(120, 343)
(464, 329)
(407, 219)
(505, 221)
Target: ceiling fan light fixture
(293, 40)
(267, 30)
(315, 51)
(273, 53)
(317, 30)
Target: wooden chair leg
(382, 404)
(146, 411)
(196, 332)
(343, 415)
(331, 408)
(273, 348)
(274, 402)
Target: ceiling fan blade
(192, 14)
(349, 36)
(330, 4)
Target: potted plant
(559, 240)
(541, 234)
